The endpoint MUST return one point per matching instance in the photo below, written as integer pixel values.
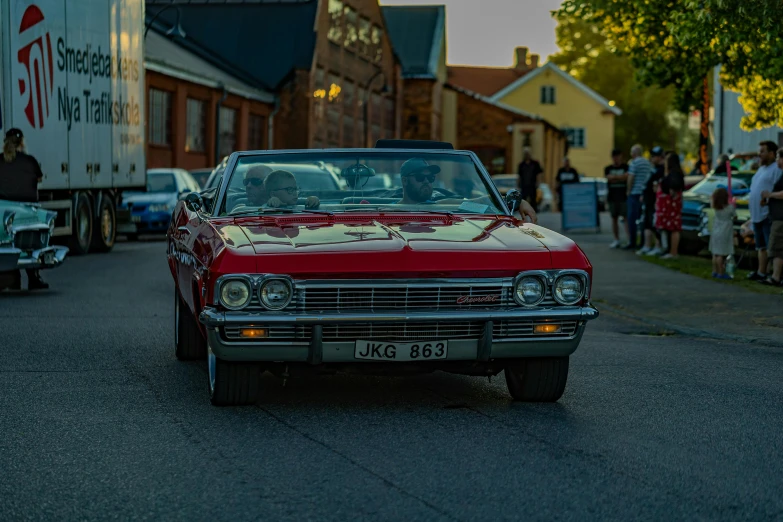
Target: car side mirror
(194, 201)
(513, 197)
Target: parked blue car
(151, 210)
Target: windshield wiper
(281, 211)
(263, 211)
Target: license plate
(135, 219)
(384, 351)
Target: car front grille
(523, 328)
(414, 297)
(403, 332)
(31, 239)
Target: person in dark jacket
(19, 178)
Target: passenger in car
(284, 192)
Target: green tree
(678, 43)
(587, 53)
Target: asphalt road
(98, 420)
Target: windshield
(707, 186)
(161, 182)
(386, 181)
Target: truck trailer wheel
(81, 237)
(105, 229)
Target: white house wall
(728, 134)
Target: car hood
(393, 246)
(149, 198)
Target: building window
(349, 98)
(196, 125)
(388, 117)
(335, 21)
(547, 95)
(576, 137)
(365, 37)
(160, 117)
(377, 46)
(375, 108)
(228, 131)
(255, 132)
(333, 126)
(351, 27)
(348, 131)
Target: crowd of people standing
(650, 192)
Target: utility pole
(704, 135)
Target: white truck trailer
(72, 79)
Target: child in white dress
(722, 234)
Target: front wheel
(232, 383)
(189, 343)
(540, 379)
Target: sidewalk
(672, 301)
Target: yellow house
(585, 116)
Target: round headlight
(568, 289)
(235, 294)
(275, 294)
(8, 222)
(530, 290)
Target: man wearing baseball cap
(418, 177)
(19, 178)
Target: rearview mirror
(194, 202)
(513, 197)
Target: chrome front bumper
(315, 349)
(48, 257)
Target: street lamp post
(174, 31)
(367, 93)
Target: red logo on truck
(35, 53)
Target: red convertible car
(274, 272)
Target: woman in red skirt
(668, 203)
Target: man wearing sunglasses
(283, 191)
(254, 185)
(418, 178)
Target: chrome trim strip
(213, 318)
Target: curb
(687, 331)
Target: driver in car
(418, 177)
(254, 185)
(283, 191)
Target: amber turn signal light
(546, 328)
(253, 333)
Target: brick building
(434, 108)
(325, 61)
(190, 101)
